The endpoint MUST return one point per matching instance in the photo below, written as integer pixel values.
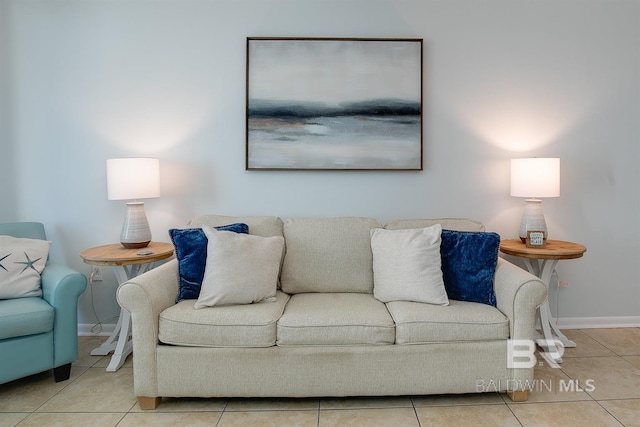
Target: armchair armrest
(145, 297)
(61, 288)
(518, 295)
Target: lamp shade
(535, 177)
(133, 178)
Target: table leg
(119, 341)
(547, 271)
(544, 270)
(110, 344)
(125, 346)
(534, 268)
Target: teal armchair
(40, 333)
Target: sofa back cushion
(265, 226)
(456, 224)
(328, 255)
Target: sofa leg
(518, 395)
(148, 402)
(62, 373)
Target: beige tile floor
(606, 365)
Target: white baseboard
(92, 330)
(598, 322)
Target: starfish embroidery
(2, 259)
(28, 263)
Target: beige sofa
(326, 335)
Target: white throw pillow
(407, 265)
(240, 269)
(21, 264)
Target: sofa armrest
(145, 297)
(518, 295)
(61, 288)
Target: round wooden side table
(542, 262)
(126, 264)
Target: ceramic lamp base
(135, 245)
(135, 230)
(532, 219)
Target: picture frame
(535, 239)
(333, 104)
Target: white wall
(7, 187)
(91, 80)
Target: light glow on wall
(520, 114)
(518, 127)
(143, 123)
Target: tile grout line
(415, 411)
(514, 414)
(70, 381)
(121, 419)
(602, 344)
(607, 411)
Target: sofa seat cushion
(335, 319)
(25, 316)
(248, 325)
(418, 323)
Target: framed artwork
(333, 104)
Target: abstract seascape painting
(334, 104)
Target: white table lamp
(134, 178)
(534, 178)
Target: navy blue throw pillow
(469, 261)
(191, 252)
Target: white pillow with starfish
(21, 264)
